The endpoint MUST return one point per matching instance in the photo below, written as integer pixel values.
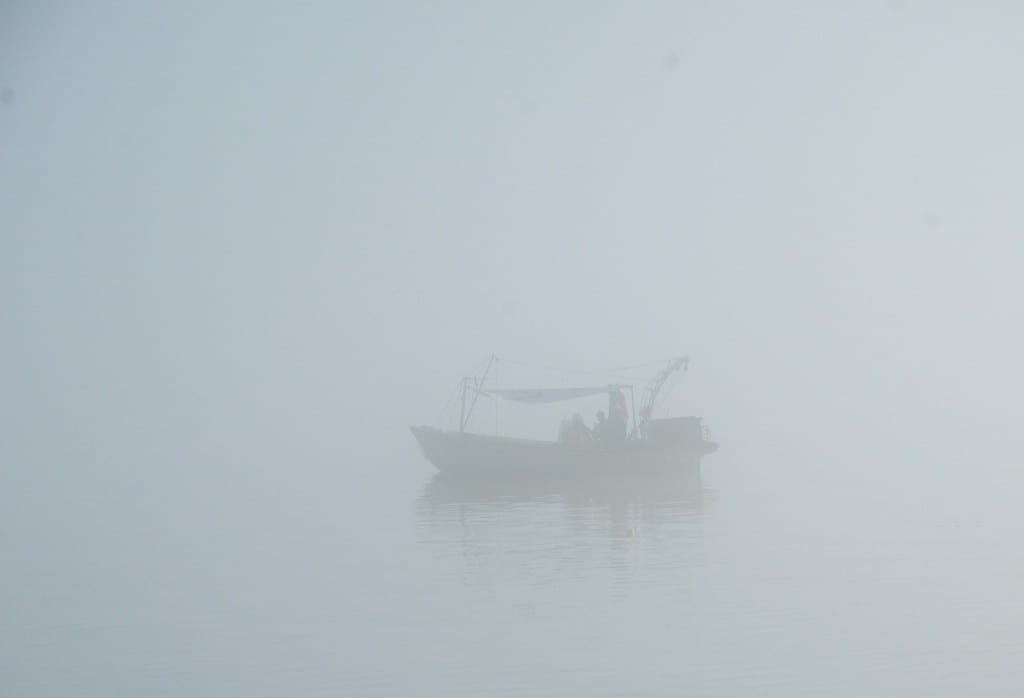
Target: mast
(477, 385)
(462, 409)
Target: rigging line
(667, 392)
(446, 416)
(479, 369)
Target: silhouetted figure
(575, 432)
(618, 417)
(600, 427)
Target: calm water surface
(288, 580)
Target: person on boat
(579, 433)
(565, 431)
(618, 416)
(600, 427)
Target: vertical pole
(478, 385)
(462, 411)
(632, 406)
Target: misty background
(244, 246)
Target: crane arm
(655, 386)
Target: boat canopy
(541, 396)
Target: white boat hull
(477, 454)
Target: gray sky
(257, 219)
(245, 245)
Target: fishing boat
(647, 445)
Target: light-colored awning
(540, 396)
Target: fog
(245, 246)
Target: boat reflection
(603, 536)
(623, 503)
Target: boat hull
(468, 454)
